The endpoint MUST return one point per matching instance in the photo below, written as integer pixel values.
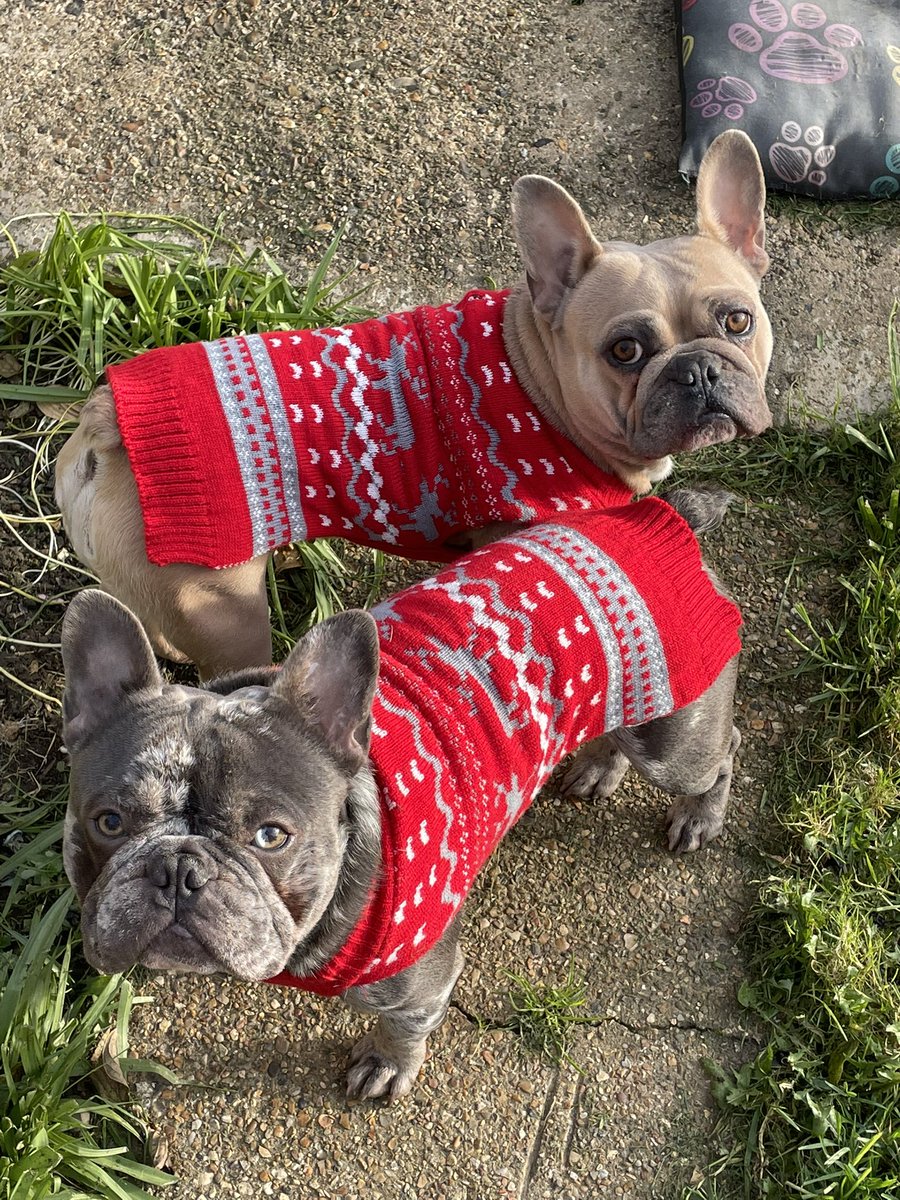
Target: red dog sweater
(399, 432)
(494, 670)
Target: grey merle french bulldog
(239, 827)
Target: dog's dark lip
(711, 428)
(171, 950)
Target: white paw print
(797, 161)
(725, 94)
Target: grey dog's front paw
(372, 1073)
(689, 828)
(595, 771)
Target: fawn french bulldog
(423, 433)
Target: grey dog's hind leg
(596, 770)
(688, 754)
(410, 1006)
(692, 821)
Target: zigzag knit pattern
(399, 432)
(494, 670)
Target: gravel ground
(409, 122)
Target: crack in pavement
(735, 1035)
(573, 1121)
(534, 1152)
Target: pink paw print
(791, 160)
(725, 94)
(795, 54)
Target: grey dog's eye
(627, 351)
(110, 824)
(271, 837)
(738, 321)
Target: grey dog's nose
(699, 371)
(179, 875)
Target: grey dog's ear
(555, 242)
(107, 658)
(330, 677)
(731, 198)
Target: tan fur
(218, 620)
(556, 327)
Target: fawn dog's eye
(738, 321)
(627, 351)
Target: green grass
(545, 1017)
(56, 1138)
(100, 292)
(97, 291)
(854, 216)
(817, 1112)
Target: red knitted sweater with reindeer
(495, 669)
(400, 432)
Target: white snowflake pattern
(394, 954)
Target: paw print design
(791, 160)
(795, 54)
(888, 185)
(726, 95)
